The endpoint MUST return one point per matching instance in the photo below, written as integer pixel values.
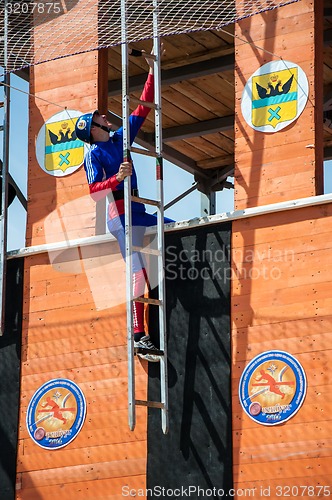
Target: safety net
(35, 31)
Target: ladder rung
(144, 152)
(147, 300)
(145, 201)
(146, 104)
(147, 250)
(144, 350)
(150, 404)
(149, 56)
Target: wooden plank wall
(271, 168)
(281, 300)
(281, 274)
(73, 328)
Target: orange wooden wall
(281, 274)
(72, 327)
(275, 167)
(281, 299)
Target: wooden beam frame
(180, 132)
(170, 76)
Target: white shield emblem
(274, 96)
(59, 152)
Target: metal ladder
(159, 204)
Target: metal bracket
(216, 181)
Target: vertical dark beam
(198, 448)
(102, 80)
(10, 355)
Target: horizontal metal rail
(246, 213)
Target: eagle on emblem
(64, 135)
(273, 87)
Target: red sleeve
(147, 95)
(99, 190)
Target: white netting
(43, 30)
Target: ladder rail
(128, 217)
(160, 218)
(128, 198)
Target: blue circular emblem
(272, 387)
(56, 413)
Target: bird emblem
(64, 133)
(274, 87)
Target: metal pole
(180, 197)
(4, 193)
(128, 219)
(160, 217)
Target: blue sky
(176, 180)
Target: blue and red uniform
(101, 165)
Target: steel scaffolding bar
(4, 191)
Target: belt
(119, 195)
